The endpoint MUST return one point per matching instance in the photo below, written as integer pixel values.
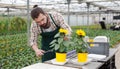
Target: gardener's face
(41, 20)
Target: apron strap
(41, 29)
(53, 20)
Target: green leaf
(66, 43)
(62, 49)
(57, 35)
(53, 42)
(53, 45)
(57, 46)
(60, 40)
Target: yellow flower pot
(82, 57)
(60, 57)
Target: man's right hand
(39, 52)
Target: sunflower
(80, 33)
(63, 31)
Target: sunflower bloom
(80, 33)
(63, 31)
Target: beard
(46, 25)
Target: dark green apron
(47, 37)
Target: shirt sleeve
(33, 34)
(62, 23)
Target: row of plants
(15, 53)
(12, 25)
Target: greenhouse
(34, 34)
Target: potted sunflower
(80, 45)
(59, 44)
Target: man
(102, 23)
(47, 25)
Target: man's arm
(61, 22)
(34, 38)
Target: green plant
(60, 44)
(79, 44)
(17, 23)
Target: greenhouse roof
(61, 5)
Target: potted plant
(59, 44)
(80, 45)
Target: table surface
(112, 52)
(46, 66)
(91, 65)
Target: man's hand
(39, 52)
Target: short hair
(36, 11)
